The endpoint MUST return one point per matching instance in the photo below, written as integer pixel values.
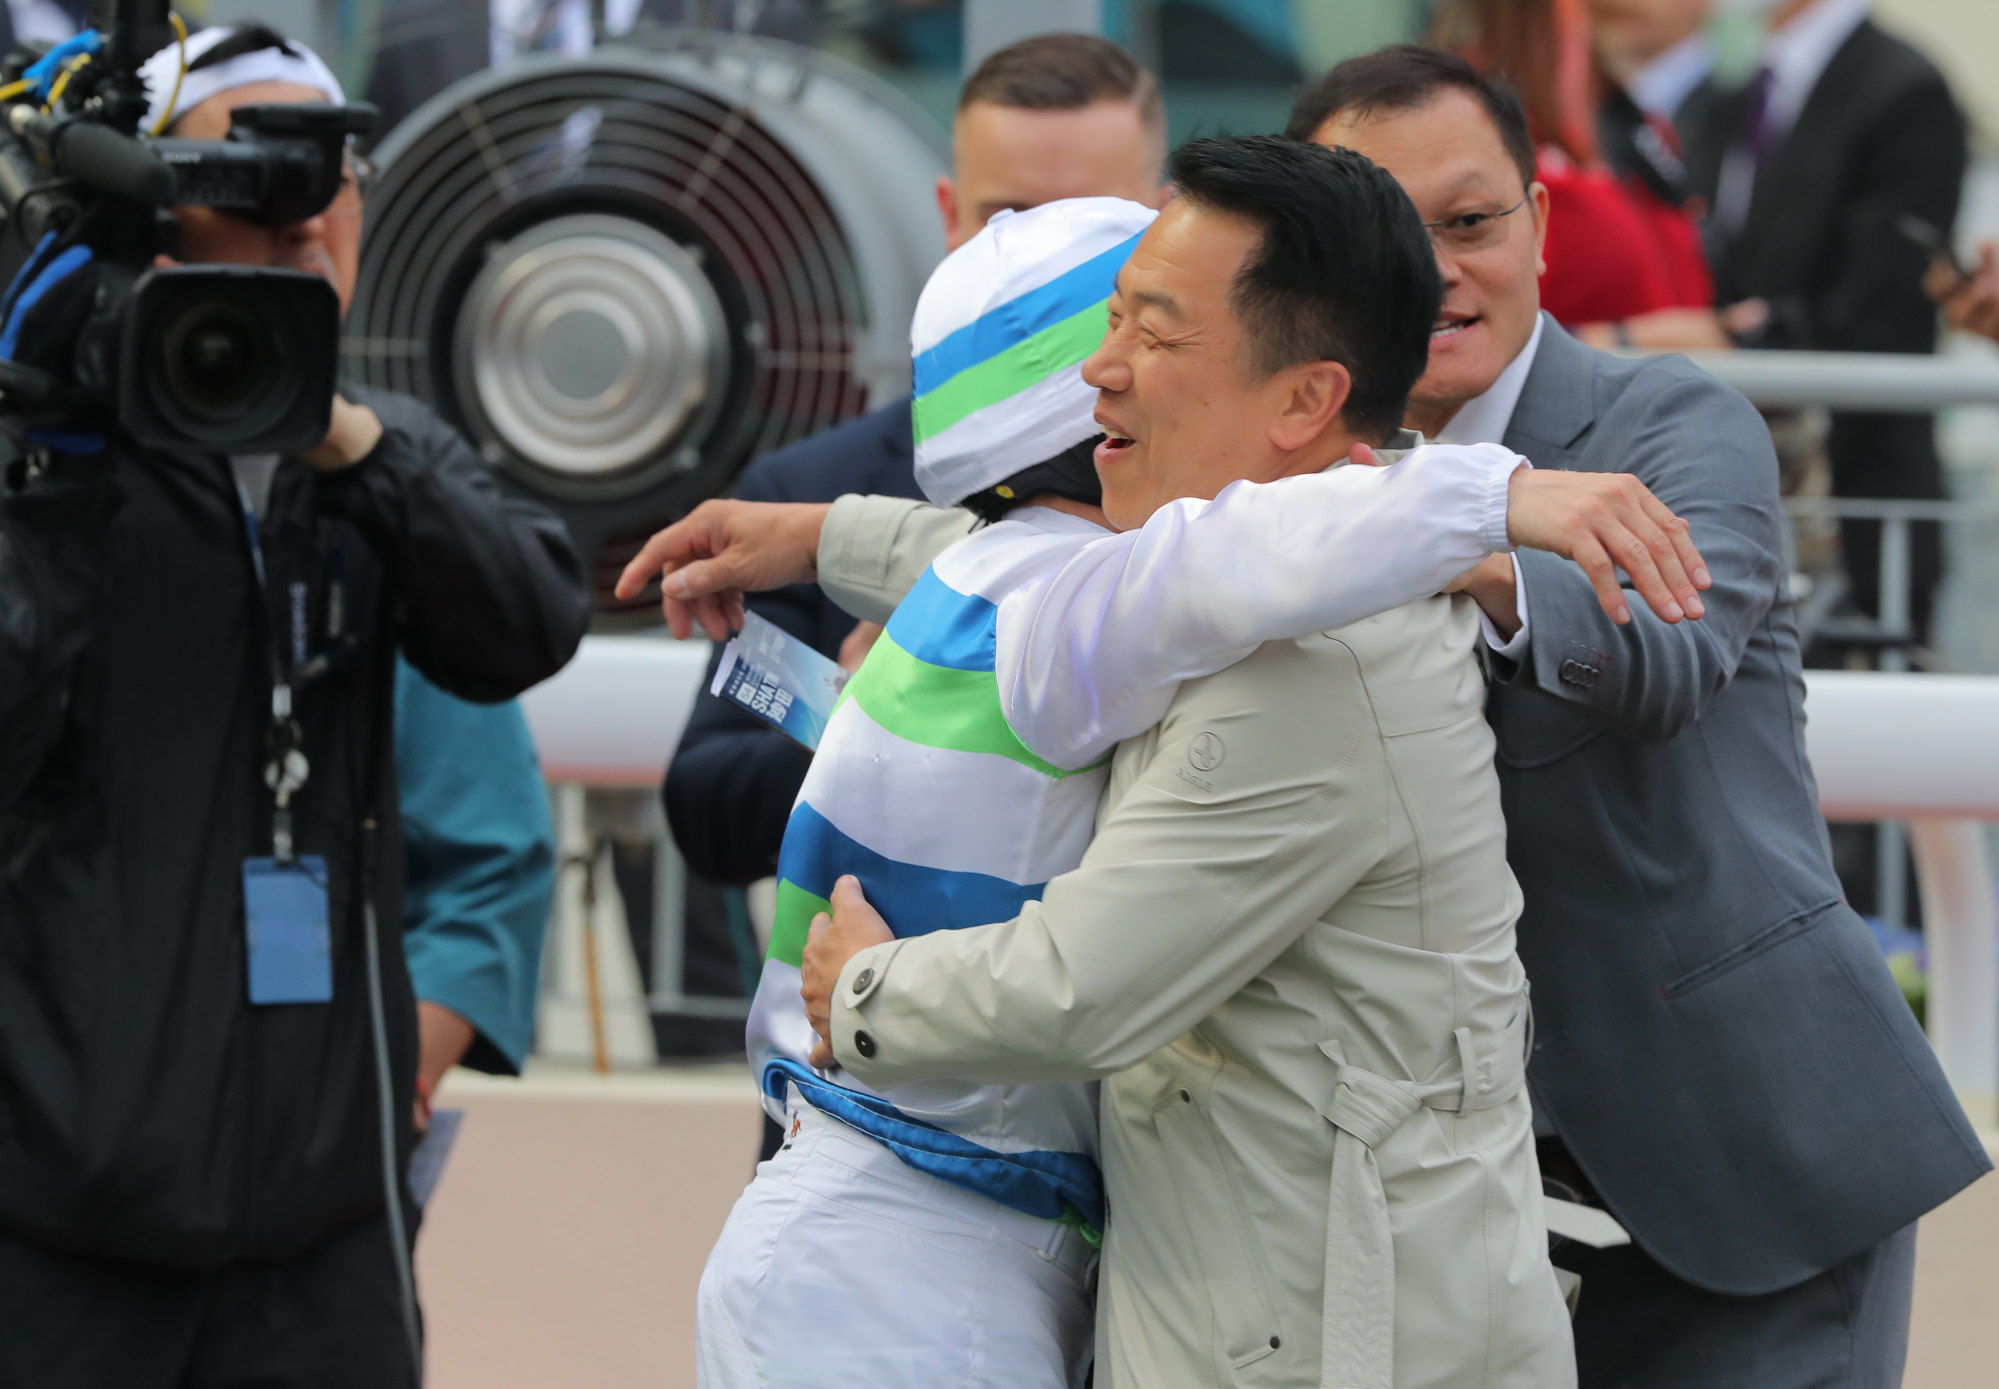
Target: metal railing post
(1891, 837)
(1961, 936)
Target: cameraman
(192, 1183)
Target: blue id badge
(285, 918)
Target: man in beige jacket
(1290, 945)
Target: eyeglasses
(1477, 230)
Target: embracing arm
(1706, 453)
(1185, 895)
(1091, 652)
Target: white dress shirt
(1662, 84)
(1484, 419)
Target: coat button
(862, 980)
(864, 1044)
(1276, 1342)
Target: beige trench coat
(1290, 947)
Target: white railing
(1856, 380)
(1919, 747)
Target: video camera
(231, 359)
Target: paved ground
(565, 1241)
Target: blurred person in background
(1655, 52)
(1723, 1060)
(192, 1184)
(423, 46)
(1808, 172)
(1622, 248)
(480, 879)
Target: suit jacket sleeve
(480, 875)
(1184, 896)
(872, 550)
(1704, 451)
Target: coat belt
(1357, 1320)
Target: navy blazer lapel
(1557, 402)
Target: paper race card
(780, 679)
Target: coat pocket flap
(1533, 729)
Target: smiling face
(1183, 412)
(328, 245)
(1449, 158)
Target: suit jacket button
(864, 1044)
(863, 979)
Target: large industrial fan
(626, 275)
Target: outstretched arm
(724, 549)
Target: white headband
(301, 66)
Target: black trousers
(328, 1319)
(1639, 1327)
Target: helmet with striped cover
(999, 339)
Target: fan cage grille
(701, 170)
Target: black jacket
(147, 1110)
(1879, 137)
(733, 778)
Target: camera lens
(218, 359)
(231, 358)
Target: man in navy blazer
(1721, 1058)
(1055, 116)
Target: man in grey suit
(1721, 1060)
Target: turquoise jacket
(481, 864)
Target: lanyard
(285, 766)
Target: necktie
(1757, 131)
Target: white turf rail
(1922, 748)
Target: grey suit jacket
(1718, 1040)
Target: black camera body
(224, 358)
(279, 164)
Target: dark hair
(1344, 273)
(1071, 473)
(1064, 72)
(248, 38)
(1403, 77)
